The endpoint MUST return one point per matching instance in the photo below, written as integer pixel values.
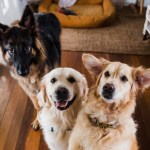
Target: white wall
(127, 2)
(11, 10)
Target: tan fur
(60, 120)
(7, 57)
(31, 89)
(86, 134)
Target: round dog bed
(90, 13)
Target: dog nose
(22, 70)
(62, 93)
(109, 88)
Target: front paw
(35, 124)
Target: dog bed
(90, 13)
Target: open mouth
(63, 105)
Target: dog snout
(108, 91)
(61, 93)
(22, 70)
(109, 88)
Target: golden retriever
(62, 92)
(106, 122)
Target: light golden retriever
(106, 122)
(62, 92)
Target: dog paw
(35, 124)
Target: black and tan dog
(31, 49)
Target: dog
(30, 49)
(63, 91)
(106, 121)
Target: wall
(127, 2)
(11, 10)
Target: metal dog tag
(32, 80)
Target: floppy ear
(141, 79)
(84, 88)
(93, 65)
(2, 29)
(28, 19)
(42, 96)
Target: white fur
(50, 117)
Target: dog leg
(35, 123)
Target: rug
(123, 36)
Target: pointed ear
(2, 29)
(85, 89)
(93, 65)
(42, 96)
(141, 78)
(28, 19)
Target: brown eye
(124, 78)
(26, 47)
(107, 74)
(53, 80)
(71, 80)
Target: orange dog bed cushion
(90, 13)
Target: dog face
(61, 87)
(115, 80)
(17, 42)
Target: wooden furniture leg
(136, 3)
(141, 7)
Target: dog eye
(11, 50)
(107, 74)
(26, 47)
(124, 79)
(72, 80)
(53, 80)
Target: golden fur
(62, 121)
(117, 112)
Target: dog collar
(104, 125)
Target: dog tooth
(66, 104)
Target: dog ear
(85, 89)
(141, 79)
(42, 96)
(93, 65)
(28, 19)
(2, 29)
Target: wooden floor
(17, 111)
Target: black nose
(22, 70)
(109, 88)
(61, 93)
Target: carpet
(123, 36)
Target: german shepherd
(31, 49)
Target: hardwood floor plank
(33, 139)
(5, 95)
(43, 145)
(16, 123)
(8, 116)
(25, 126)
(142, 136)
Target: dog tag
(32, 80)
(52, 130)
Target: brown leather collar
(104, 125)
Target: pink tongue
(60, 104)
